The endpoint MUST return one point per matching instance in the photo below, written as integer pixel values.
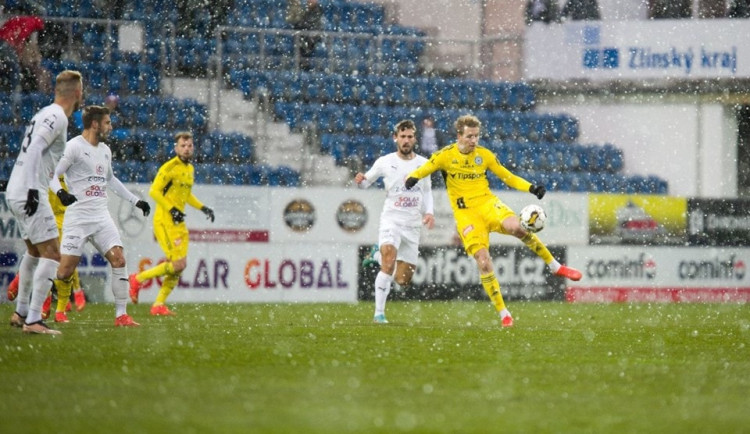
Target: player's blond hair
(182, 135)
(67, 82)
(467, 121)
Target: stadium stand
(364, 76)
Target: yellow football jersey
(172, 188)
(57, 207)
(466, 174)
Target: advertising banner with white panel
(659, 274)
(281, 244)
(353, 215)
(235, 259)
(635, 50)
(248, 272)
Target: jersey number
(27, 140)
(460, 203)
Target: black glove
(410, 182)
(32, 202)
(143, 206)
(66, 198)
(209, 213)
(537, 190)
(177, 215)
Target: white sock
(45, 273)
(504, 313)
(382, 289)
(26, 270)
(120, 290)
(554, 266)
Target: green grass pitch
(437, 367)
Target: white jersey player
(404, 212)
(87, 166)
(26, 194)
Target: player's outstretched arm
(209, 213)
(410, 182)
(537, 190)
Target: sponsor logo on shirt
(469, 176)
(406, 202)
(96, 191)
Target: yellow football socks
(492, 288)
(167, 285)
(160, 270)
(64, 288)
(537, 246)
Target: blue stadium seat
(119, 168)
(570, 129)
(256, 174)
(201, 174)
(205, 148)
(7, 114)
(120, 134)
(138, 172)
(132, 77)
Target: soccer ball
(533, 218)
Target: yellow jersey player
(172, 190)
(477, 211)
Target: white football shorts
(102, 234)
(404, 238)
(39, 227)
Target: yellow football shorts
(475, 224)
(173, 239)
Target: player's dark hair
(404, 125)
(182, 135)
(93, 113)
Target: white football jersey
(41, 148)
(87, 169)
(402, 206)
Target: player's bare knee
(387, 268)
(179, 265)
(403, 280)
(49, 250)
(65, 273)
(117, 262)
